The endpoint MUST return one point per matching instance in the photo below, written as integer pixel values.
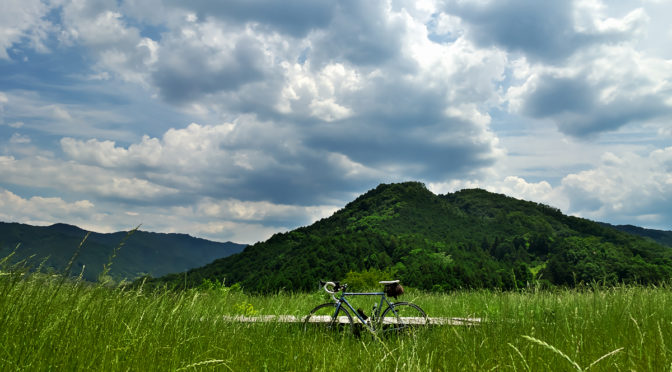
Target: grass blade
(553, 349)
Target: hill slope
(143, 252)
(659, 236)
(467, 239)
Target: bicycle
(397, 316)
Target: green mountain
(659, 236)
(467, 239)
(143, 253)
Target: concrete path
(343, 319)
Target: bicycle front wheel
(403, 316)
(329, 316)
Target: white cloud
(117, 47)
(201, 59)
(41, 210)
(620, 189)
(246, 233)
(309, 102)
(72, 178)
(18, 139)
(597, 91)
(258, 211)
(221, 160)
(626, 187)
(23, 20)
(318, 94)
(517, 187)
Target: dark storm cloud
(573, 103)
(555, 96)
(311, 181)
(542, 30)
(188, 71)
(403, 126)
(397, 129)
(361, 34)
(293, 17)
(300, 176)
(407, 153)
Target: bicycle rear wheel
(403, 316)
(325, 317)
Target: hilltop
(143, 253)
(467, 239)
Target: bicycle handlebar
(335, 285)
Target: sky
(238, 119)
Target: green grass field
(48, 323)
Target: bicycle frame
(375, 316)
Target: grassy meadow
(51, 323)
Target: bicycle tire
(342, 322)
(403, 316)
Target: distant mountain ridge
(143, 253)
(663, 237)
(467, 239)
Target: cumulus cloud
(628, 188)
(304, 104)
(326, 121)
(543, 31)
(294, 17)
(363, 33)
(596, 92)
(206, 58)
(41, 210)
(72, 178)
(514, 186)
(23, 20)
(634, 187)
(117, 47)
(248, 160)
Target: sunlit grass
(47, 323)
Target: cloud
(248, 160)
(41, 210)
(38, 210)
(293, 17)
(19, 139)
(238, 210)
(513, 186)
(627, 188)
(542, 31)
(70, 178)
(105, 32)
(205, 58)
(322, 126)
(37, 111)
(621, 189)
(260, 115)
(23, 20)
(363, 33)
(598, 91)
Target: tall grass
(47, 323)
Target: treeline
(467, 239)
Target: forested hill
(143, 252)
(468, 239)
(659, 236)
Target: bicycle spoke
(322, 317)
(403, 316)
